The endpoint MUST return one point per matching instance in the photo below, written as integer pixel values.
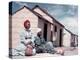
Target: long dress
(25, 36)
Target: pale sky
(65, 14)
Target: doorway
(51, 36)
(45, 31)
(60, 38)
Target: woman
(26, 43)
(39, 42)
(43, 46)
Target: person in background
(41, 45)
(39, 42)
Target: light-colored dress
(25, 37)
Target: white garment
(20, 50)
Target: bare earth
(67, 52)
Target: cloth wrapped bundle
(29, 50)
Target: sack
(29, 50)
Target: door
(45, 31)
(60, 38)
(51, 36)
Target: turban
(27, 21)
(39, 30)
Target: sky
(65, 14)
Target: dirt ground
(67, 52)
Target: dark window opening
(55, 28)
(60, 39)
(52, 36)
(45, 31)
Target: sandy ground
(67, 52)
(71, 51)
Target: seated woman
(41, 45)
(26, 42)
(39, 42)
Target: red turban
(27, 21)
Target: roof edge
(37, 6)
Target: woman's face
(39, 34)
(27, 25)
